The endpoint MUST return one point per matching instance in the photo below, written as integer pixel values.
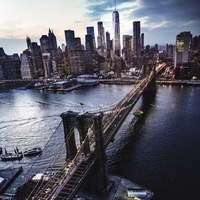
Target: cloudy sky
(161, 20)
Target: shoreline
(179, 82)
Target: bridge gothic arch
(89, 126)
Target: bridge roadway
(66, 183)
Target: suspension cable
(66, 140)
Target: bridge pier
(69, 119)
(152, 85)
(98, 178)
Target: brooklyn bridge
(86, 164)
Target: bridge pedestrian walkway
(68, 178)
(67, 181)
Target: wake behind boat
(32, 151)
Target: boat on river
(138, 113)
(18, 155)
(38, 84)
(87, 79)
(89, 82)
(33, 151)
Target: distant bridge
(88, 162)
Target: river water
(159, 150)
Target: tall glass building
(90, 31)
(52, 40)
(136, 39)
(101, 39)
(69, 38)
(116, 32)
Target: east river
(160, 150)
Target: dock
(7, 176)
(120, 188)
(64, 90)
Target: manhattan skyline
(160, 20)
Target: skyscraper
(89, 43)
(183, 47)
(26, 64)
(69, 38)
(38, 66)
(116, 32)
(136, 39)
(127, 51)
(142, 41)
(28, 41)
(52, 40)
(196, 43)
(75, 53)
(44, 43)
(90, 31)
(108, 44)
(101, 39)
(169, 50)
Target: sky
(161, 20)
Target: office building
(196, 44)
(108, 45)
(63, 47)
(127, 52)
(116, 32)
(38, 67)
(69, 38)
(52, 41)
(26, 64)
(28, 42)
(90, 31)
(136, 39)
(101, 39)
(44, 44)
(10, 66)
(169, 51)
(183, 48)
(89, 43)
(47, 62)
(75, 53)
(62, 64)
(142, 42)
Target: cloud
(160, 16)
(98, 8)
(169, 10)
(161, 20)
(155, 10)
(154, 25)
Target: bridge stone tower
(98, 179)
(152, 85)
